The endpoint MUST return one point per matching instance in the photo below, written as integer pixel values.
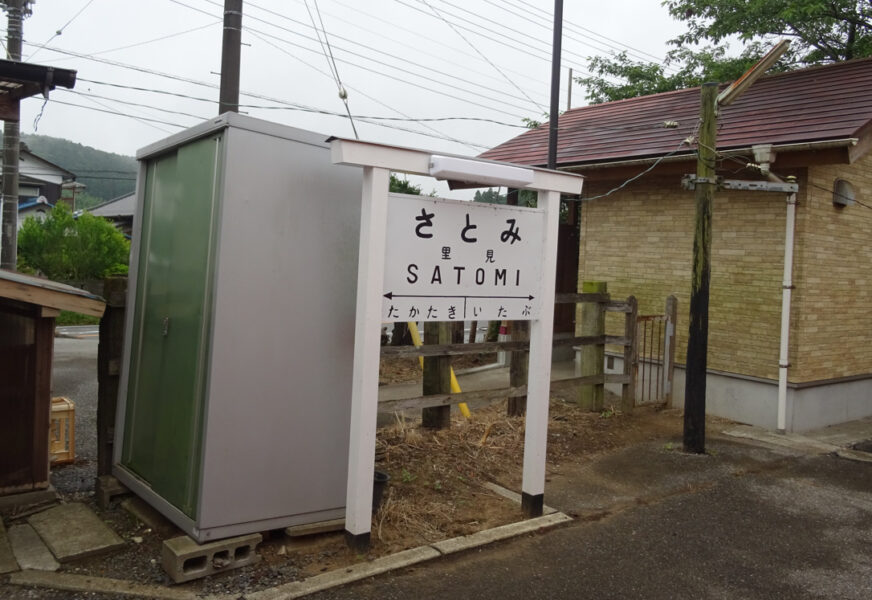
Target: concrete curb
(407, 558)
(295, 589)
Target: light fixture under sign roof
(476, 171)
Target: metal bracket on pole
(689, 182)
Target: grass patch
(73, 318)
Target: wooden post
(109, 356)
(473, 325)
(593, 322)
(669, 348)
(697, 345)
(437, 375)
(519, 368)
(628, 389)
(518, 360)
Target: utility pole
(697, 345)
(705, 185)
(228, 99)
(11, 140)
(553, 117)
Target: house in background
(39, 177)
(119, 210)
(637, 234)
(33, 207)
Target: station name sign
(449, 260)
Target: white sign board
(449, 260)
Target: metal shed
(234, 399)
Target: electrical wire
(437, 134)
(415, 72)
(635, 177)
(418, 48)
(588, 33)
(480, 53)
(61, 30)
(328, 54)
(304, 108)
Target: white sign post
(443, 260)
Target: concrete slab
(73, 531)
(28, 498)
(29, 549)
(8, 564)
(102, 585)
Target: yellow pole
(455, 387)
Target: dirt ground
(436, 489)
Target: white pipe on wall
(787, 288)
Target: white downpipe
(787, 288)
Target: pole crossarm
(689, 182)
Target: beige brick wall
(832, 309)
(640, 241)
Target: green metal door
(169, 351)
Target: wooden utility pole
(697, 345)
(228, 99)
(11, 141)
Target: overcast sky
(406, 59)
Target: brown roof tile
(819, 103)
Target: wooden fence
(626, 379)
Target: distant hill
(107, 175)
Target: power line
(635, 177)
(61, 30)
(328, 54)
(583, 31)
(419, 35)
(480, 53)
(416, 85)
(405, 71)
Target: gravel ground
(72, 359)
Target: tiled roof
(815, 104)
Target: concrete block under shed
(185, 560)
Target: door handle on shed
(166, 326)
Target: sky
(148, 69)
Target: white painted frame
(378, 161)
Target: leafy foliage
(403, 186)
(490, 196)
(107, 175)
(64, 248)
(821, 31)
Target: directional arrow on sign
(391, 295)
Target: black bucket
(379, 483)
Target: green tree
(820, 31)
(403, 186)
(490, 196)
(65, 248)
